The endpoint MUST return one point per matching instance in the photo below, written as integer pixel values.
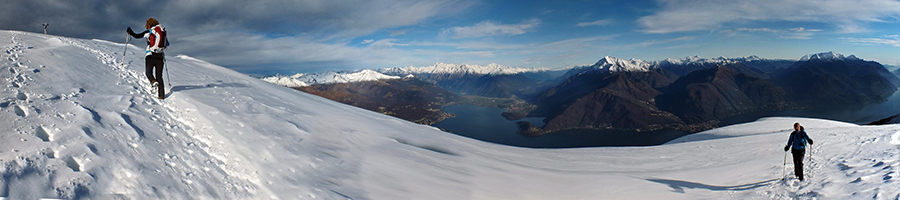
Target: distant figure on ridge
(797, 144)
(156, 44)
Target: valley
(617, 96)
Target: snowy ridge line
(606, 64)
(828, 56)
(330, 77)
(301, 80)
(447, 68)
(612, 64)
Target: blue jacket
(798, 140)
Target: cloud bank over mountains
(269, 36)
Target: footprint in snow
(20, 111)
(22, 96)
(42, 133)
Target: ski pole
(810, 161)
(127, 39)
(783, 165)
(167, 71)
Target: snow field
(80, 123)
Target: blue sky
(274, 36)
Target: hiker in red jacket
(156, 44)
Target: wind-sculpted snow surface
(78, 123)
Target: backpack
(157, 39)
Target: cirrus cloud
(490, 28)
(892, 40)
(236, 34)
(693, 15)
(602, 22)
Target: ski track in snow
(79, 123)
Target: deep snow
(78, 123)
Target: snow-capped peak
(827, 56)
(613, 64)
(301, 79)
(694, 60)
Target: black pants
(798, 162)
(156, 61)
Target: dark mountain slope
(706, 96)
(640, 85)
(499, 86)
(837, 83)
(603, 100)
(409, 98)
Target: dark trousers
(798, 162)
(155, 61)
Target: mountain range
(689, 94)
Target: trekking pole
(783, 165)
(167, 71)
(810, 161)
(127, 39)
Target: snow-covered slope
(78, 123)
(300, 80)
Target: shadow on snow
(678, 185)
(211, 85)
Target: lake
(486, 124)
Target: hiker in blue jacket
(797, 144)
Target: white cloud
(693, 15)
(471, 45)
(751, 30)
(295, 51)
(575, 43)
(490, 28)
(801, 29)
(793, 33)
(324, 18)
(386, 43)
(367, 41)
(892, 40)
(398, 32)
(483, 54)
(602, 22)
